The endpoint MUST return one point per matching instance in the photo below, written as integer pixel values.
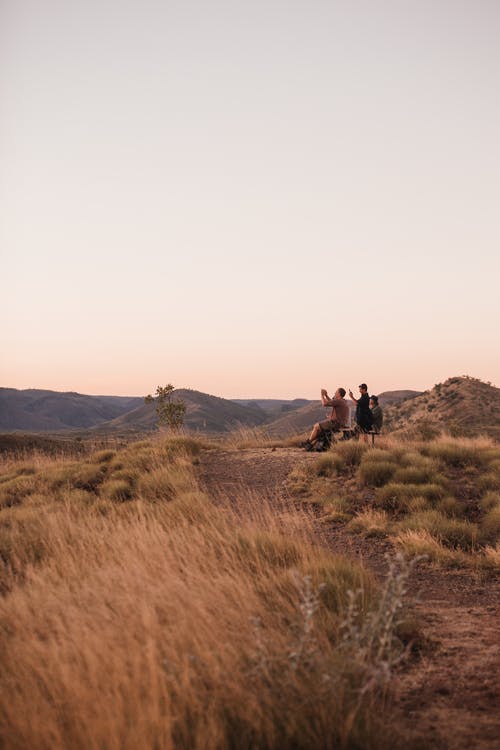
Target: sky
(251, 199)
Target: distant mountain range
(38, 411)
(464, 405)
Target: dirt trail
(451, 695)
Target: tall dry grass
(153, 619)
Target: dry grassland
(136, 614)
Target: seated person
(363, 412)
(377, 414)
(338, 419)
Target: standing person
(377, 414)
(338, 418)
(364, 418)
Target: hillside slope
(51, 411)
(461, 405)
(204, 413)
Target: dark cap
(363, 385)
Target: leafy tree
(170, 411)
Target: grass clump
(490, 526)
(15, 490)
(396, 496)
(349, 453)
(376, 473)
(451, 532)
(117, 490)
(456, 453)
(421, 543)
(370, 523)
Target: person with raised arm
(338, 419)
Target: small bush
(376, 473)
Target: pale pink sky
(249, 199)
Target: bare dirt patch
(449, 697)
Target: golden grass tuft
(370, 523)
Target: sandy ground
(449, 697)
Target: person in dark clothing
(377, 414)
(364, 418)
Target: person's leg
(315, 433)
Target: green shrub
(376, 473)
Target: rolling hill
(36, 410)
(204, 413)
(460, 405)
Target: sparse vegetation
(437, 498)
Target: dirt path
(450, 696)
